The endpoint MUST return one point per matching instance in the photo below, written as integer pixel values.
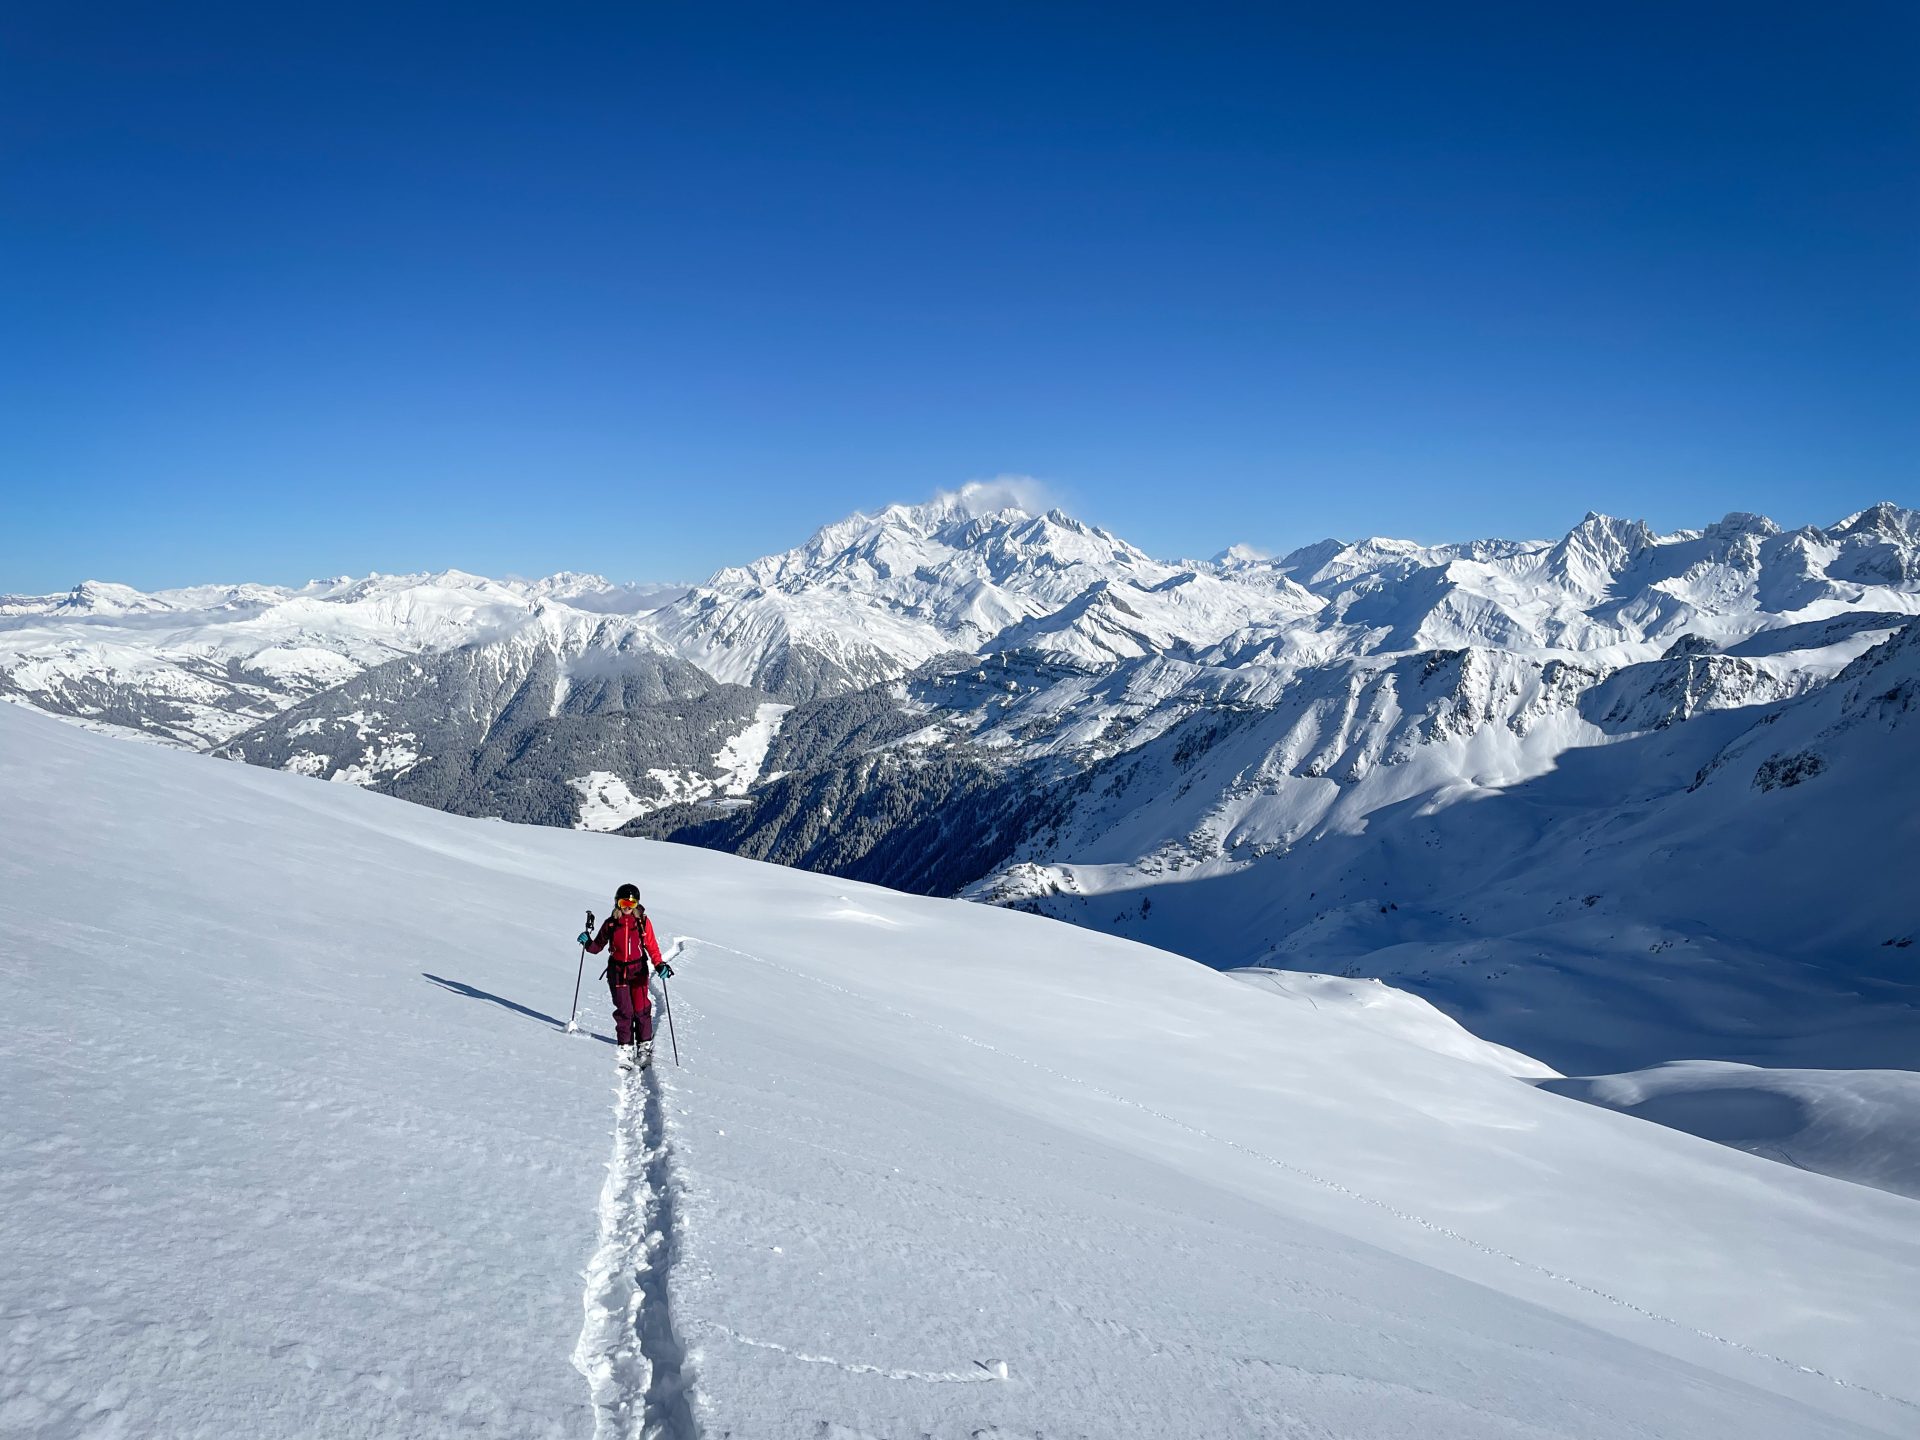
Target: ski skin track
(630, 1350)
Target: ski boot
(645, 1049)
(626, 1056)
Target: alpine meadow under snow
(296, 1147)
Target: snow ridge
(629, 1349)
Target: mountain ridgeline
(502, 728)
(1480, 769)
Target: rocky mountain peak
(1596, 550)
(1738, 523)
(103, 597)
(1240, 557)
(1885, 521)
(1602, 533)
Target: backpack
(632, 971)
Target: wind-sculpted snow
(928, 1168)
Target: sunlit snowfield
(294, 1147)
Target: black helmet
(626, 892)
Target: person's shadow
(473, 994)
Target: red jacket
(632, 939)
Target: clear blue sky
(649, 288)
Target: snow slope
(607, 802)
(1862, 1125)
(1735, 887)
(294, 1148)
(1400, 1013)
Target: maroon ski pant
(632, 1012)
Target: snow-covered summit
(597, 594)
(1611, 582)
(1008, 543)
(1240, 557)
(872, 596)
(89, 597)
(1594, 552)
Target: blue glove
(664, 969)
(585, 939)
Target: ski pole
(671, 1037)
(575, 1014)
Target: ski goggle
(626, 904)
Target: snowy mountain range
(1671, 770)
(199, 665)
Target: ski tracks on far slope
(630, 1350)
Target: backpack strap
(624, 971)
